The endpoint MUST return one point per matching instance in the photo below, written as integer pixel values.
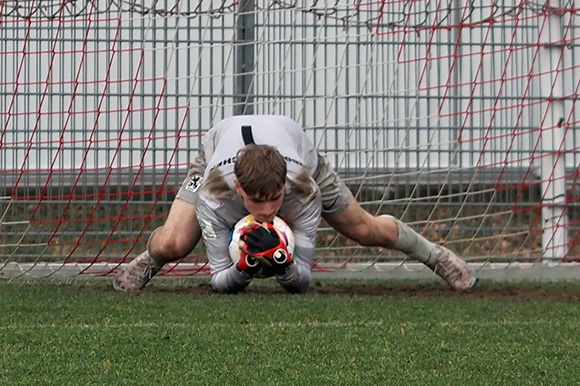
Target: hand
(265, 243)
(248, 264)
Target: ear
(239, 189)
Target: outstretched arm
(225, 276)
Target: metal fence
(448, 105)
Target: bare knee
(374, 231)
(170, 246)
(168, 251)
(364, 228)
(178, 236)
(363, 234)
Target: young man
(266, 166)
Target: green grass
(81, 332)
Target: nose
(266, 217)
(267, 213)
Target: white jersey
(219, 207)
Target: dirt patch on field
(514, 292)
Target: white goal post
(460, 118)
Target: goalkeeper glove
(265, 243)
(248, 265)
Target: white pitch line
(282, 325)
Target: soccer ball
(280, 224)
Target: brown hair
(261, 171)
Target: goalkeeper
(266, 166)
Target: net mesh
(458, 117)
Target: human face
(263, 211)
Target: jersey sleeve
(303, 218)
(304, 228)
(216, 233)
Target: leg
(343, 213)
(174, 240)
(382, 231)
(171, 242)
(178, 236)
(388, 232)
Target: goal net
(459, 117)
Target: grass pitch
(178, 332)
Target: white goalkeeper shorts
(335, 194)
